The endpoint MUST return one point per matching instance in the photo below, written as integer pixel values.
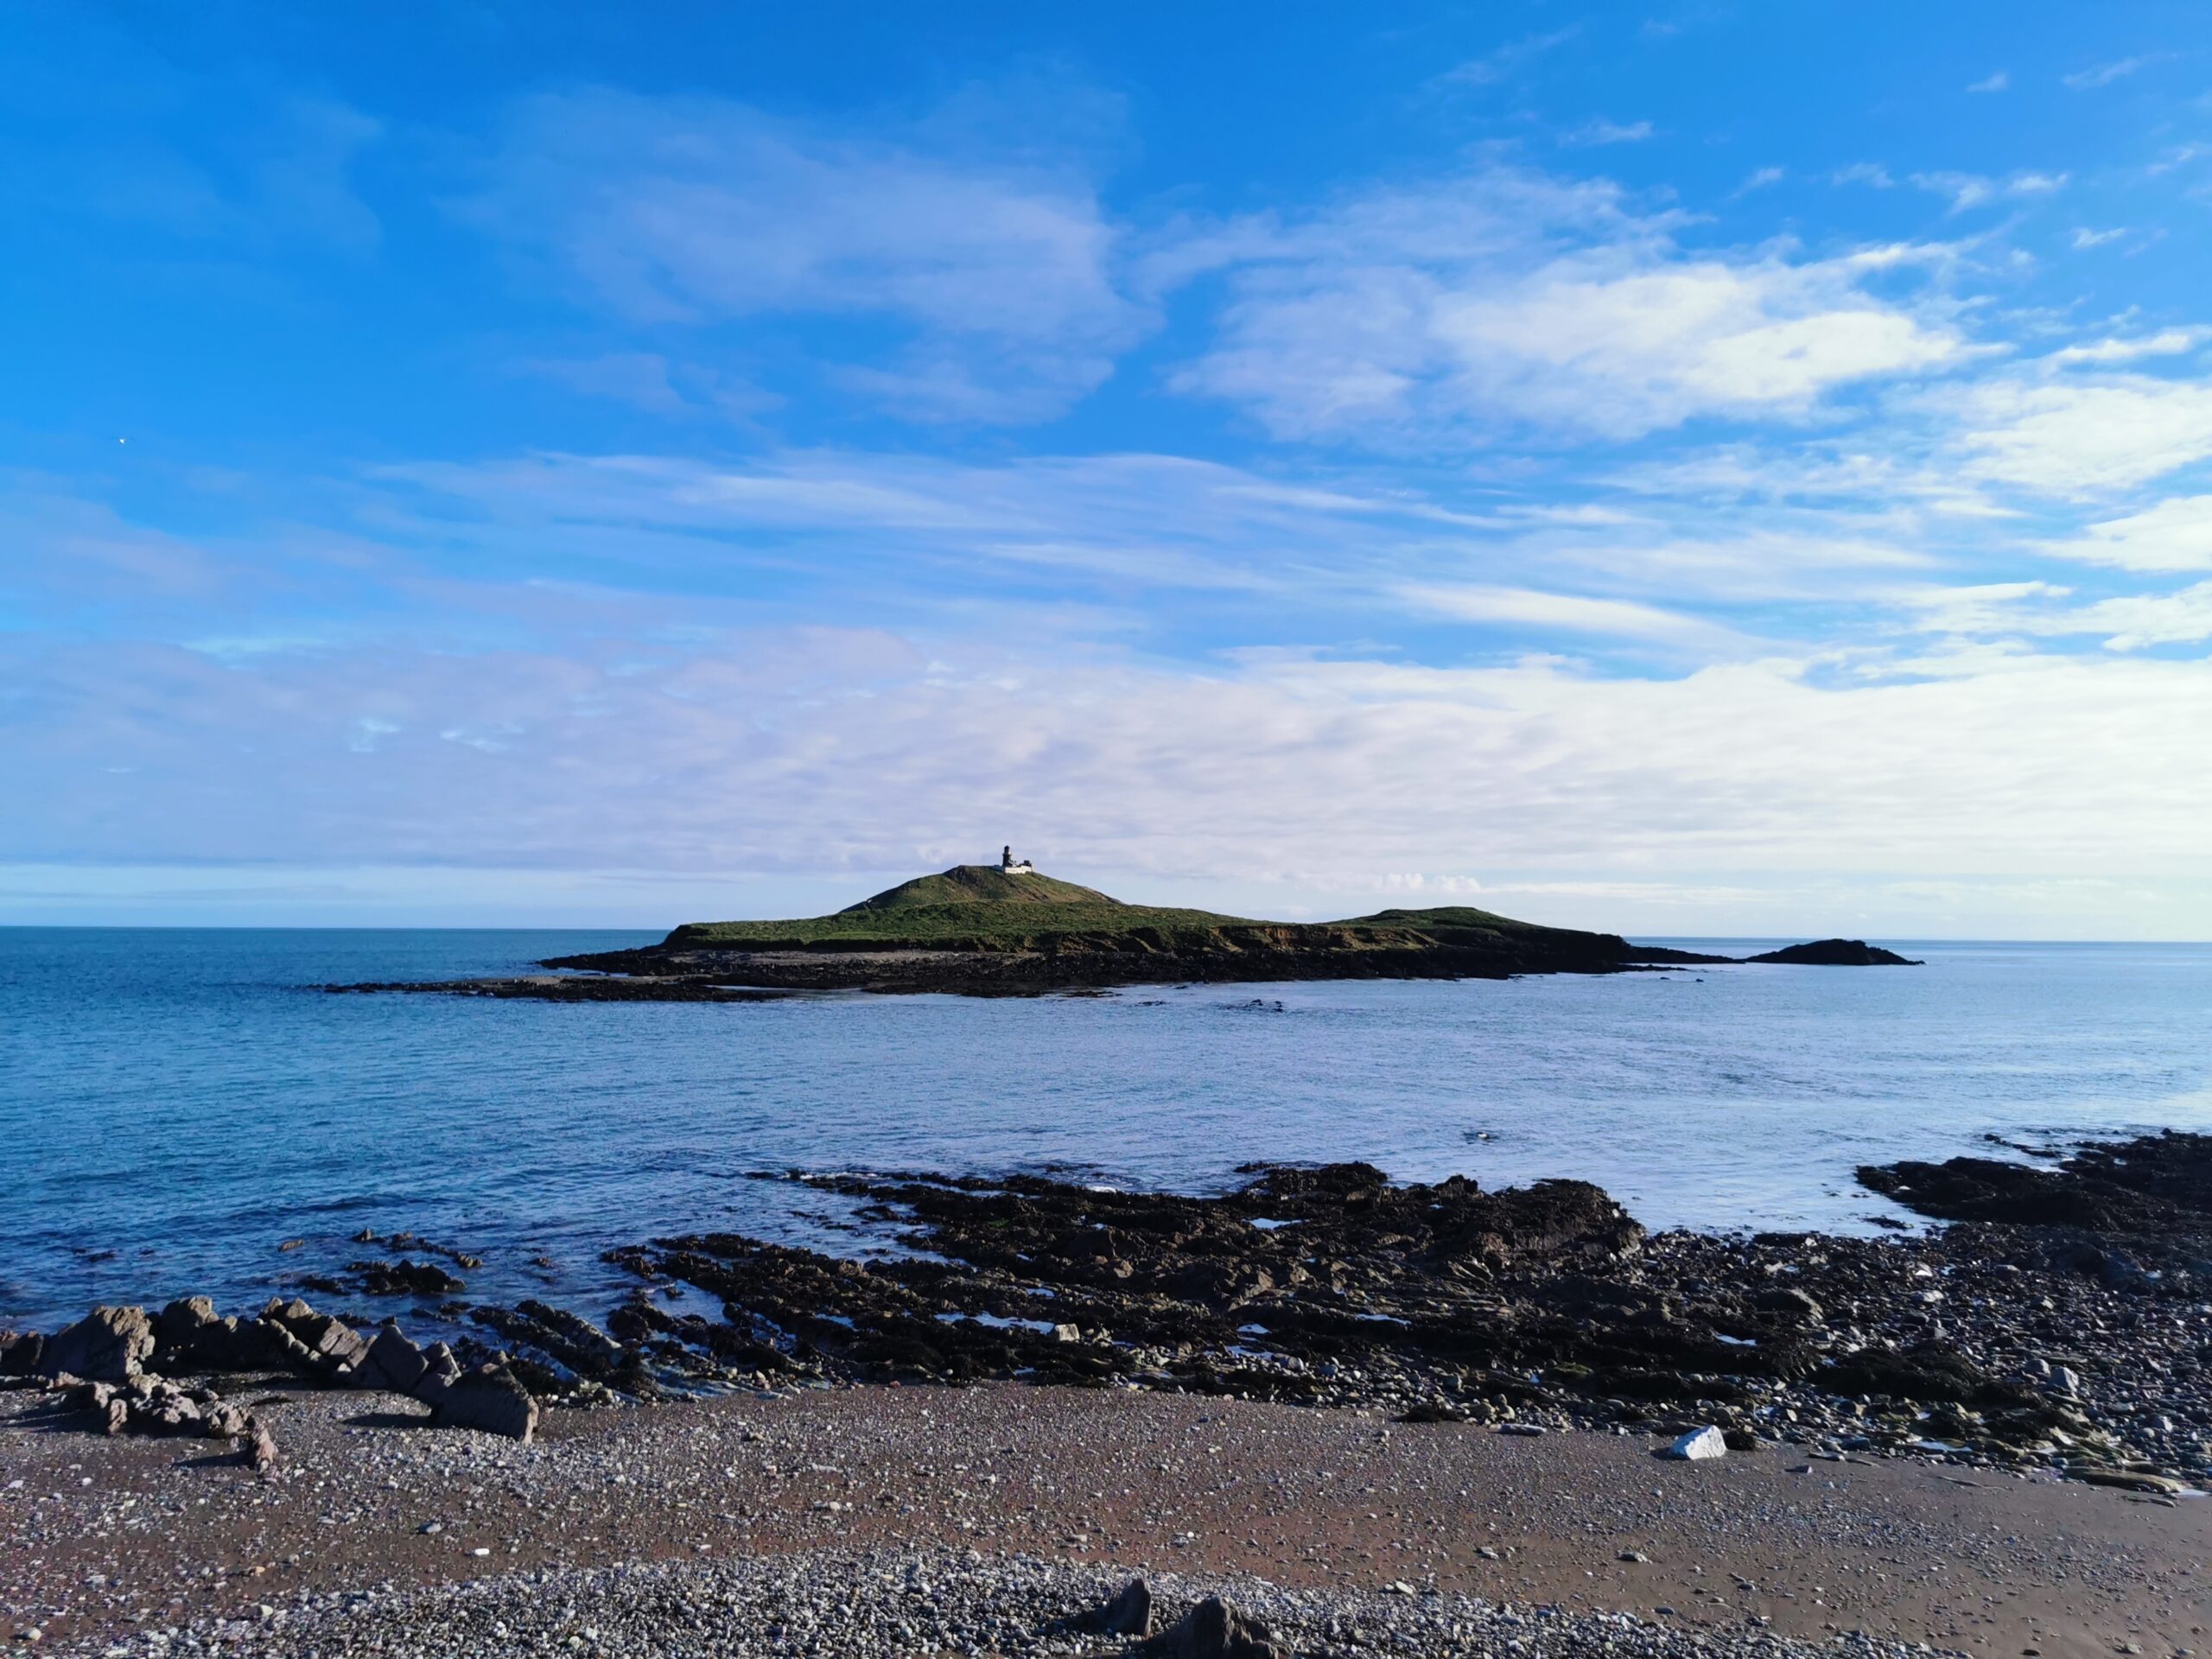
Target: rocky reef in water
(2069, 1332)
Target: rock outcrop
(107, 1345)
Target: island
(1836, 953)
(981, 930)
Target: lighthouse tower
(1008, 866)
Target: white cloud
(2033, 609)
(1996, 82)
(764, 751)
(1504, 300)
(2079, 438)
(697, 211)
(2167, 342)
(1760, 179)
(2175, 535)
(2086, 237)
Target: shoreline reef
(971, 1441)
(2062, 1318)
(1141, 1370)
(974, 930)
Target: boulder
(489, 1398)
(1214, 1630)
(1789, 1302)
(1698, 1445)
(1128, 1611)
(108, 1344)
(20, 1351)
(391, 1362)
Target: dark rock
(1837, 953)
(109, 1345)
(2157, 1188)
(391, 1362)
(489, 1398)
(1126, 1612)
(572, 1341)
(328, 1342)
(440, 1370)
(1791, 1302)
(1214, 1630)
(20, 1352)
(405, 1278)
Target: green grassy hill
(968, 907)
(978, 906)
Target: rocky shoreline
(2062, 1321)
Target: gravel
(879, 1602)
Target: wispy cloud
(696, 211)
(2167, 342)
(1995, 82)
(1593, 133)
(1526, 608)
(1968, 190)
(1868, 172)
(2103, 74)
(1503, 62)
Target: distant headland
(985, 930)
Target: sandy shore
(105, 1540)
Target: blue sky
(1684, 468)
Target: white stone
(1699, 1445)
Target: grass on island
(974, 906)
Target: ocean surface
(175, 1105)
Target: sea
(184, 1111)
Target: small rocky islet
(2062, 1319)
(979, 929)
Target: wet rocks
(568, 1338)
(108, 1345)
(404, 1278)
(2150, 1197)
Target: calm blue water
(176, 1096)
